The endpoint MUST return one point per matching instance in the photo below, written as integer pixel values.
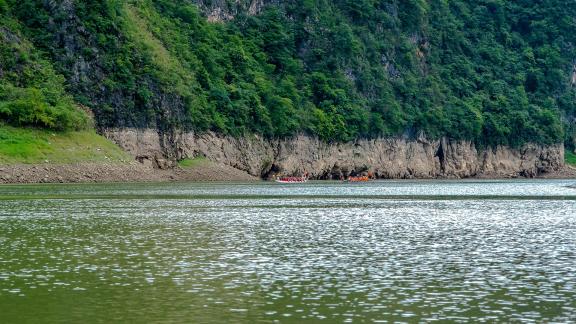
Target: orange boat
(358, 179)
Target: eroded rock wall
(391, 158)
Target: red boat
(292, 180)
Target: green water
(406, 251)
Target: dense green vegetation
(493, 71)
(31, 93)
(28, 145)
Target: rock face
(223, 10)
(390, 158)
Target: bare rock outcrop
(223, 10)
(390, 158)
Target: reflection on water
(383, 251)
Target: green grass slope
(570, 158)
(192, 163)
(34, 146)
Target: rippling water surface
(263, 252)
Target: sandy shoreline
(114, 172)
(137, 172)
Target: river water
(405, 251)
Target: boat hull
(289, 181)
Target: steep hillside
(31, 92)
(490, 71)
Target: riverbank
(40, 156)
(29, 155)
(114, 172)
(90, 172)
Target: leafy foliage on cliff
(31, 93)
(492, 71)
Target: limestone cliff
(222, 10)
(390, 158)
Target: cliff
(494, 73)
(389, 158)
(169, 80)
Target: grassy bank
(193, 163)
(570, 158)
(32, 146)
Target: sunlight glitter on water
(288, 259)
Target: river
(407, 251)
